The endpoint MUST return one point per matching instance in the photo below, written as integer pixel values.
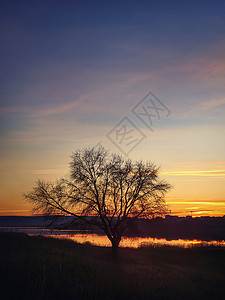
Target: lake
(101, 240)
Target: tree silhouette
(107, 191)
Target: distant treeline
(170, 227)
(173, 227)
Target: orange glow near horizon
(194, 193)
(180, 208)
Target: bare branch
(105, 190)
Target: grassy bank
(46, 268)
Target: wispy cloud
(45, 171)
(203, 202)
(197, 207)
(57, 109)
(206, 105)
(198, 66)
(52, 109)
(13, 109)
(211, 104)
(15, 212)
(194, 172)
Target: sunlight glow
(195, 173)
(134, 242)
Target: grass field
(47, 268)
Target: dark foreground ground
(46, 268)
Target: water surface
(101, 240)
(135, 242)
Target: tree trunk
(115, 247)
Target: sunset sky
(73, 71)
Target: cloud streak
(194, 172)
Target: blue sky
(71, 70)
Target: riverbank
(170, 227)
(46, 268)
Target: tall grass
(47, 268)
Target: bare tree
(105, 190)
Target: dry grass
(46, 268)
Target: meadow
(46, 268)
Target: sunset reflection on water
(135, 242)
(102, 240)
